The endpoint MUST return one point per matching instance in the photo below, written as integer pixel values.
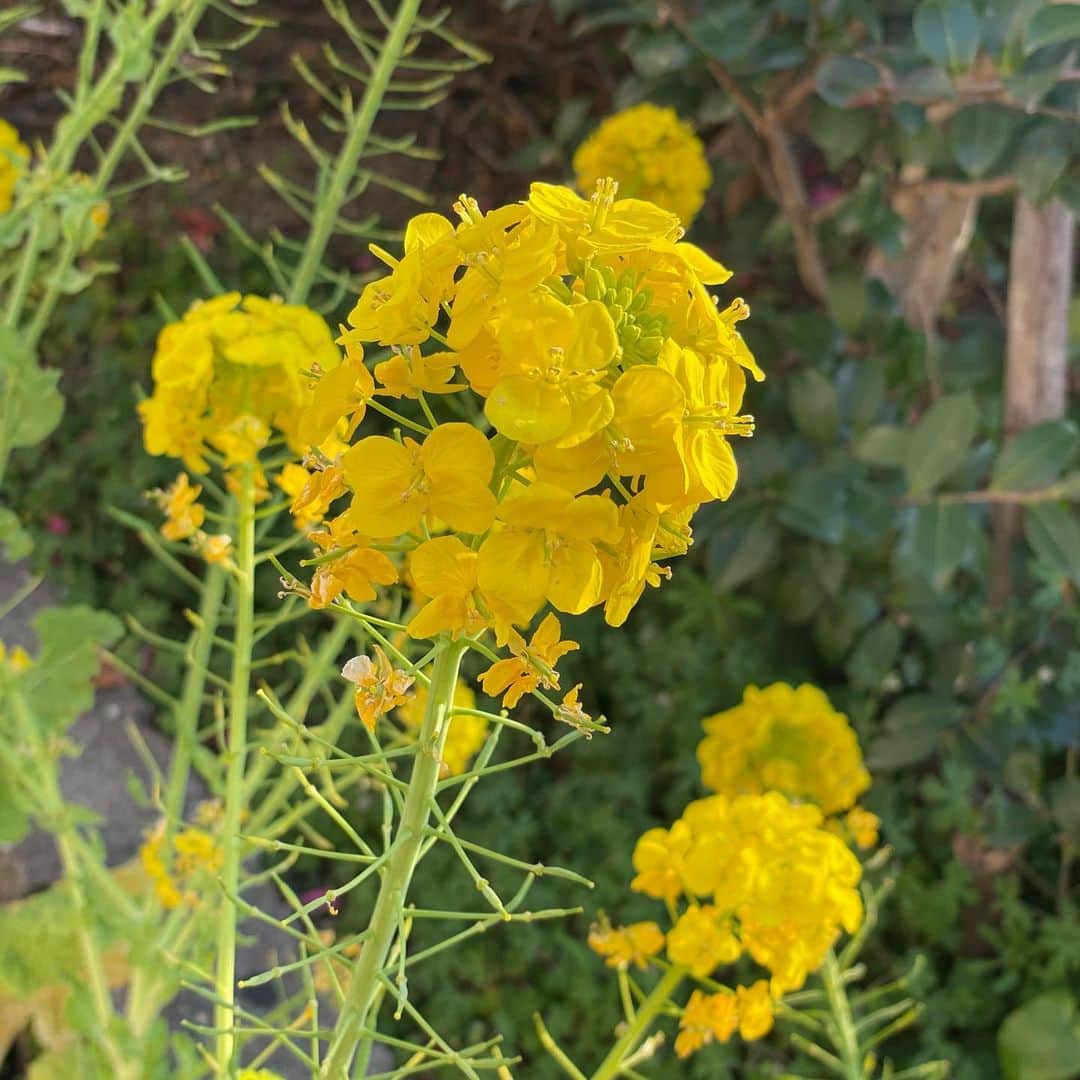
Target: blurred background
(894, 187)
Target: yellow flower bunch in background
(652, 154)
(14, 154)
(178, 873)
(604, 382)
(789, 739)
(228, 374)
(465, 735)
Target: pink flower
(58, 525)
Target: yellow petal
(528, 410)
(513, 570)
(575, 580)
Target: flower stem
(636, 1031)
(235, 758)
(847, 1041)
(404, 857)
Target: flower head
(380, 686)
(14, 154)
(652, 154)
(621, 946)
(706, 1017)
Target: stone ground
(97, 779)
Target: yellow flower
(16, 661)
(216, 549)
(553, 357)
(195, 855)
(465, 735)
(356, 573)
(312, 491)
(444, 571)
(546, 550)
(531, 666)
(397, 484)
(652, 154)
(784, 739)
(658, 859)
(863, 826)
(380, 686)
(706, 1017)
(14, 154)
(409, 373)
(622, 946)
(228, 372)
(755, 1010)
(341, 393)
(702, 940)
(183, 512)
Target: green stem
(847, 1043)
(236, 756)
(52, 803)
(187, 712)
(635, 1032)
(404, 856)
(330, 201)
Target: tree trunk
(1040, 283)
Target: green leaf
(1053, 531)
(35, 403)
(1041, 159)
(1041, 1039)
(1052, 25)
(841, 80)
(884, 445)
(939, 442)
(1035, 458)
(752, 554)
(815, 407)
(874, 655)
(978, 136)
(58, 685)
(866, 395)
(16, 541)
(846, 299)
(912, 730)
(728, 32)
(948, 32)
(661, 55)
(840, 133)
(939, 539)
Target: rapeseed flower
(652, 154)
(785, 739)
(14, 154)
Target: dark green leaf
(814, 406)
(1041, 159)
(1053, 531)
(752, 554)
(1052, 25)
(1036, 457)
(938, 444)
(728, 32)
(1041, 1039)
(912, 730)
(840, 132)
(661, 55)
(35, 404)
(938, 539)
(947, 31)
(978, 136)
(883, 444)
(874, 655)
(841, 80)
(846, 299)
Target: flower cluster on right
(754, 871)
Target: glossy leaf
(1036, 457)
(979, 135)
(1052, 25)
(938, 444)
(948, 31)
(841, 80)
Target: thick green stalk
(236, 759)
(404, 856)
(331, 200)
(188, 711)
(635, 1032)
(840, 1009)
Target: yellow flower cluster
(196, 855)
(784, 739)
(14, 155)
(761, 876)
(184, 516)
(652, 154)
(609, 381)
(230, 372)
(749, 1009)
